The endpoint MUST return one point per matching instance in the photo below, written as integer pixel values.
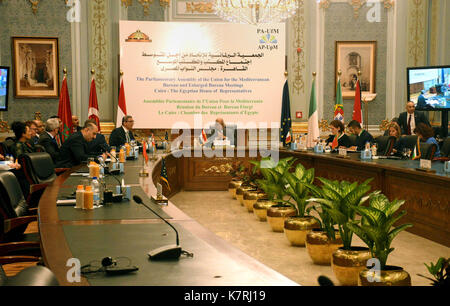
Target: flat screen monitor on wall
(4, 86)
(429, 87)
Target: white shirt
(127, 136)
(412, 123)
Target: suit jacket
(418, 117)
(98, 145)
(50, 146)
(344, 141)
(362, 139)
(230, 133)
(118, 137)
(73, 152)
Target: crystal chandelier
(255, 11)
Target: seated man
(123, 134)
(220, 131)
(74, 150)
(410, 119)
(48, 139)
(362, 136)
(98, 145)
(76, 124)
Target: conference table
(128, 230)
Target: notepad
(70, 202)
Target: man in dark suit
(410, 119)
(48, 138)
(362, 136)
(76, 124)
(74, 150)
(123, 134)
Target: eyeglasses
(130, 121)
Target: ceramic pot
(277, 214)
(296, 228)
(260, 208)
(232, 186)
(241, 190)
(251, 196)
(347, 264)
(389, 276)
(320, 247)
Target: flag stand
(143, 172)
(367, 98)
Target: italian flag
(313, 118)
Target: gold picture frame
(354, 56)
(35, 67)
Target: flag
(153, 142)
(416, 153)
(288, 137)
(285, 125)
(313, 118)
(203, 138)
(122, 106)
(144, 151)
(166, 136)
(357, 109)
(163, 177)
(335, 143)
(339, 105)
(93, 105)
(64, 112)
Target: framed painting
(36, 67)
(354, 56)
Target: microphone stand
(167, 252)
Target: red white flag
(93, 105)
(64, 112)
(288, 137)
(357, 110)
(144, 152)
(122, 106)
(335, 143)
(204, 138)
(153, 142)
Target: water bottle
(96, 190)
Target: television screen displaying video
(429, 87)
(4, 82)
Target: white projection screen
(175, 70)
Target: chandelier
(255, 11)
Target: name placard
(425, 164)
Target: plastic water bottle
(96, 190)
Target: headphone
(106, 262)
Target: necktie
(127, 134)
(409, 124)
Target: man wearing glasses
(123, 134)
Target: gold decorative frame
(26, 52)
(350, 50)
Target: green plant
(326, 223)
(338, 199)
(272, 173)
(376, 223)
(440, 272)
(237, 170)
(294, 187)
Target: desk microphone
(166, 252)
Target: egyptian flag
(357, 109)
(203, 138)
(339, 105)
(163, 177)
(144, 152)
(64, 112)
(122, 106)
(93, 105)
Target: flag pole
(143, 172)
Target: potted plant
(323, 241)
(272, 185)
(248, 183)
(237, 174)
(296, 227)
(376, 230)
(440, 272)
(338, 199)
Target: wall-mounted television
(429, 87)
(4, 86)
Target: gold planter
(251, 196)
(260, 208)
(347, 264)
(390, 276)
(320, 247)
(277, 214)
(232, 186)
(296, 228)
(241, 190)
